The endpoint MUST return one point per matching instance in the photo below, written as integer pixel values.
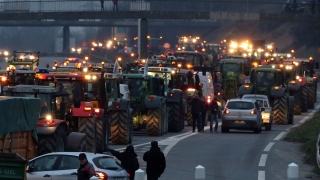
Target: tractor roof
(30, 89)
(232, 61)
(265, 69)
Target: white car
(267, 114)
(64, 165)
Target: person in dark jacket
(115, 5)
(196, 108)
(102, 5)
(156, 162)
(214, 109)
(128, 159)
(86, 169)
(203, 113)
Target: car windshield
(106, 162)
(240, 105)
(230, 68)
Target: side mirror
(76, 102)
(29, 169)
(170, 85)
(316, 65)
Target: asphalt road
(237, 155)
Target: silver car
(64, 165)
(267, 114)
(241, 114)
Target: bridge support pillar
(142, 38)
(66, 39)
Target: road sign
(169, 52)
(166, 45)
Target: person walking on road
(214, 109)
(156, 162)
(86, 169)
(102, 5)
(115, 5)
(196, 108)
(128, 160)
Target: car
(267, 114)
(64, 165)
(241, 114)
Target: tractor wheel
(297, 103)
(311, 97)
(280, 109)
(182, 115)
(291, 109)
(76, 142)
(174, 123)
(55, 142)
(93, 129)
(153, 122)
(119, 127)
(189, 114)
(304, 99)
(164, 119)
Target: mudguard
(117, 104)
(48, 129)
(277, 93)
(153, 103)
(293, 86)
(245, 90)
(85, 110)
(174, 96)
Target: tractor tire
(182, 115)
(164, 119)
(297, 103)
(76, 142)
(189, 114)
(93, 129)
(311, 97)
(154, 122)
(174, 117)
(304, 99)
(119, 127)
(291, 109)
(281, 109)
(55, 142)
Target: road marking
(280, 136)
(261, 175)
(269, 146)
(263, 160)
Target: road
(236, 155)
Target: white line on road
(261, 175)
(263, 160)
(269, 146)
(280, 136)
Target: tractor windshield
(165, 76)
(264, 79)
(191, 58)
(230, 69)
(112, 88)
(212, 49)
(137, 86)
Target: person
(115, 5)
(156, 162)
(44, 109)
(86, 169)
(214, 109)
(128, 160)
(196, 106)
(102, 5)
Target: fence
(240, 6)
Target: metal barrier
(240, 6)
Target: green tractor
(148, 103)
(271, 82)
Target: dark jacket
(129, 161)
(156, 162)
(86, 171)
(213, 107)
(196, 105)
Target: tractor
(271, 82)
(148, 103)
(54, 134)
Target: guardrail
(240, 6)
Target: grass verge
(307, 134)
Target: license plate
(239, 122)
(115, 178)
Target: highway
(237, 155)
